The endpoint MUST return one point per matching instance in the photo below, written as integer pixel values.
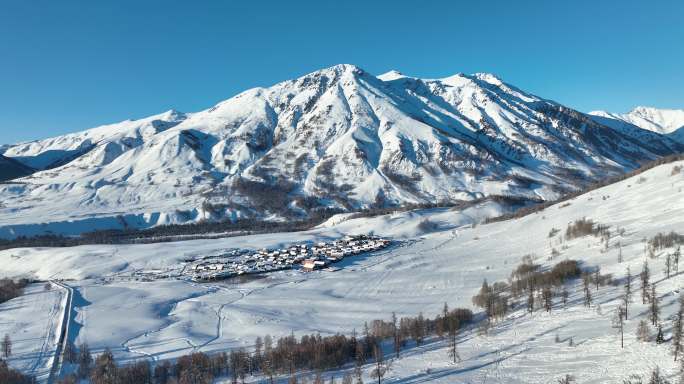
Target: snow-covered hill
(336, 138)
(166, 318)
(668, 122)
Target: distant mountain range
(337, 138)
(668, 122)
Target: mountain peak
(391, 75)
(489, 78)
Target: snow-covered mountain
(665, 121)
(336, 138)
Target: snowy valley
(439, 256)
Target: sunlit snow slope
(420, 273)
(336, 138)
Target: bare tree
(7, 346)
(69, 354)
(654, 307)
(668, 265)
(587, 291)
(597, 276)
(395, 335)
(380, 366)
(675, 259)
(85, 359)
(547, 298)
(627, 296)
(620, 259)
(645, 276)
(619, 324)
(453, 340)
(677, 329)
(643, 333)
(360, 360)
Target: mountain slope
(337, 138)
(12, 169)
(169, 317)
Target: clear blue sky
(69, 65)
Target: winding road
(63, 333)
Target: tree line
(272, 357)
(10, 289)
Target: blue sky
(69, 65)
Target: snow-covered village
(308, 257)
(265, 192)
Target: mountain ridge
(336, 138)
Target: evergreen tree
(660, 338)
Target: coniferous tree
(660, 338)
